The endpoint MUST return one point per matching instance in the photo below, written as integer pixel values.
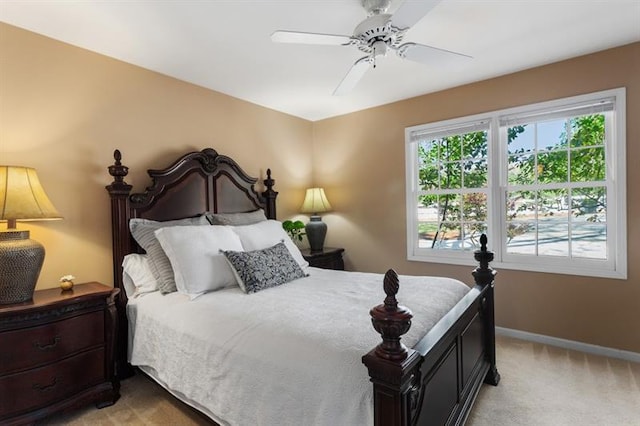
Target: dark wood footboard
(437, 381)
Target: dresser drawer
(40, 386)
(34, 346)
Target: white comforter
(289, 355)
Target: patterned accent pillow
(261, 269)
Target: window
(545, 182)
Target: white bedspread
(289, 355)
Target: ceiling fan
(375, 36)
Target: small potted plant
(294, 229)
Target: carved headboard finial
(117, 170)
(269, 182)
(391, 321)
(270, 196)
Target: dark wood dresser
(57, 352)
(328, 258)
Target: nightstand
(57, 352)
(328, 258)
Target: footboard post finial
(484, 276)
(391, 321)
(394, 369)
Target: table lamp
(315, 201)
(22, 198)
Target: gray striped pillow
(235, 219)
(143, 232)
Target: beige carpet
(548, 386)
(541, 385)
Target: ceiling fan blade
(353, 76)
(411, 11)
(309, 38)
(429, 55)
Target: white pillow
(137, 276)
(194, 253)
(268, 233)
(143, 232)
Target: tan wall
(359, 159)
(63, 110)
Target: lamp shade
(315, 201)
(22, 196)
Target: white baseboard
(569, 344)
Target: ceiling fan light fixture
(379, 48)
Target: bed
(433, 381)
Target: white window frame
(615, 266)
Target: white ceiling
(225, 45)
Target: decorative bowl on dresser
(327, 258)
(57, 352)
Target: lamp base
(20, 262)
(316, 230)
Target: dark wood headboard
(195, 183)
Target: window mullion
(497, 163)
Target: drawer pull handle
(48, 346)
(44, 388)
